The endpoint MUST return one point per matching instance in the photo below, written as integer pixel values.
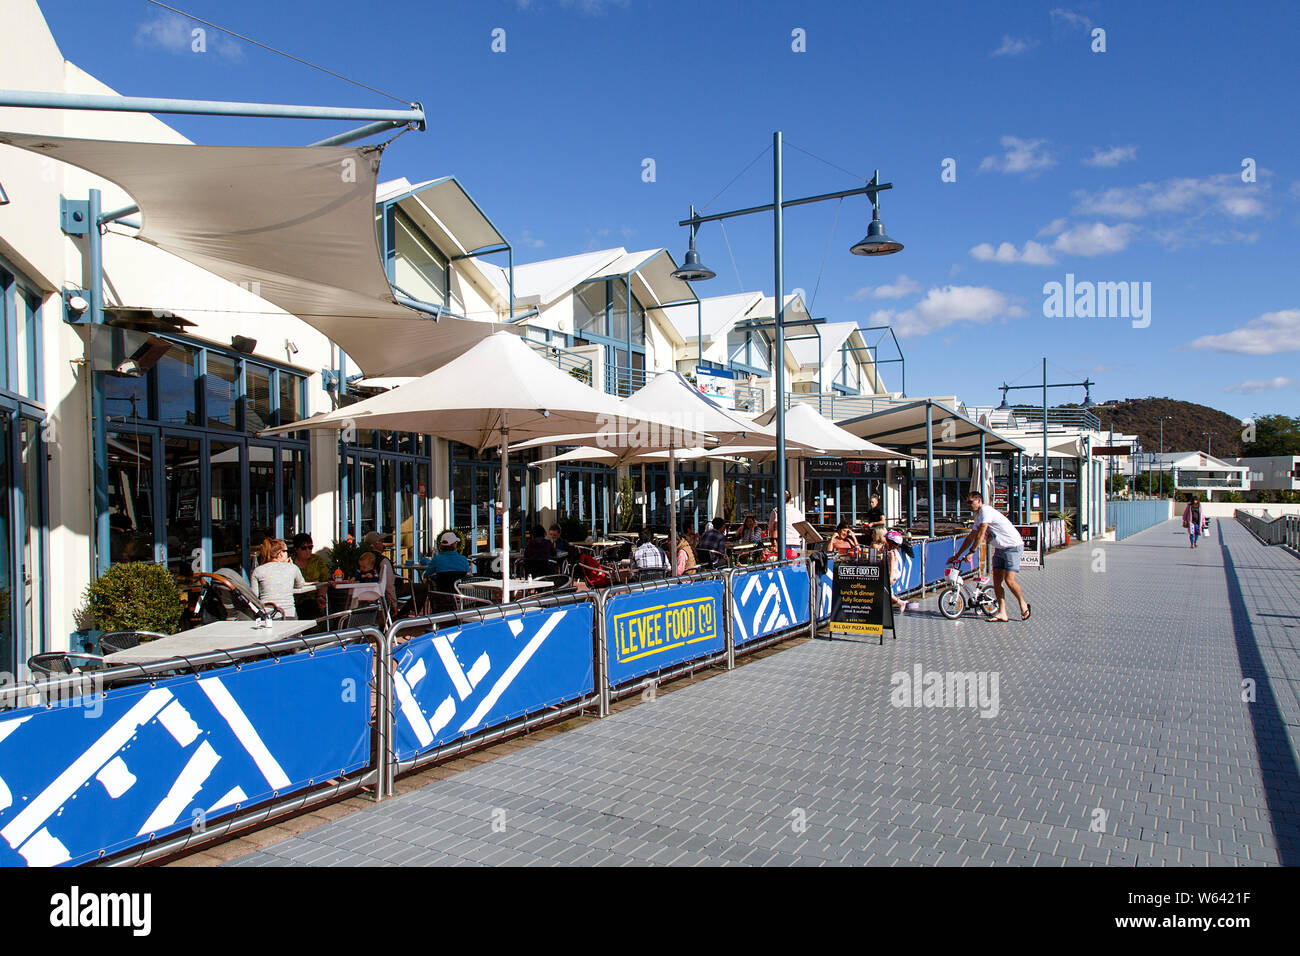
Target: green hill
(1185, 428)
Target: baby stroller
(590, 571)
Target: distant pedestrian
(1192, 519)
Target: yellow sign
(654, 630)
(856, 627)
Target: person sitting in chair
(711, 550)
(447, 566)
(539, 553)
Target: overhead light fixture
(4, 197)
(692, 269)
(876, 242)
(77, 304)
(1004, 407)
(144, 358)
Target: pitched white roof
(833, 335)
(717, 315)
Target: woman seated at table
(276, 578)
(843, 540)
(686, 563)
(750, 532)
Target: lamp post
(1086, 385)
(875, 243)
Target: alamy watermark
(950, 689)
(1098, 300)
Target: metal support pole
(98, 425)
(361, 132)
(1043, 511)
(929, 465)
(778, 248)
(148, 104)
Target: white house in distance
(1195, 471)
(1275, 473)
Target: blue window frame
(189, 485)
(24, 477)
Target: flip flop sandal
(1029, 609)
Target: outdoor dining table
(218, 636)
(521, 585)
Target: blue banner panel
(768, 600)
(909, 578)
(825, 588)
(98, 774)
(650, 631)
(460, 680)
(937, 553)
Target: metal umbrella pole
(672, 510)
(503, 496)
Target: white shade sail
(296, 224)
(807, 427)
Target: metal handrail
(579, 366)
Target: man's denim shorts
(1007, 559)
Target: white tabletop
(531, 584)
(219, 636)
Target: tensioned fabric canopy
(807, 427)
(294, 223)
(953, 434)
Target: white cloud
(585, 7)
(1070, 18)
(1261, 385)
(1271, 333)
(1033, 254)
(943, 307)
(1053, 227)
(896, 290)
(1021, 156)
(1094, 239)
(1013, 46)
(529, 241)
(1112, 156)
(175, 34)
(1224, 192)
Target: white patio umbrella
(497, 390)
(669, 396)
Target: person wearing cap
(448, 560)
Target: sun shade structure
(498, 389)
(805, 426)
(294, 224)
(934, 428)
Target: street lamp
(1086, 384)
(875, 243)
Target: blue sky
(1115, 166)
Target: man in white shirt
(1008, 548)
(793, 516)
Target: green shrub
(136, 596)
(344, 556)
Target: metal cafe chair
(116, 641)
(61, 663)
(473, 587)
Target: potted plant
(343, 556)
(135, 596)
(626, 507)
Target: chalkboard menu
(860, 602)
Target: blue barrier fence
(474, 675)
(652, 630)
(195, 748)
(1130, 517)
(163, 757)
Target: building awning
(953, 434)
(295, 224)
(443, 206)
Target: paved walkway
(1120, 738)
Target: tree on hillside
(1274, 435)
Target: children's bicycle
(961, 595)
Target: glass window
(293, 465)
(183, 518)
(29, 309)
(290, 398)
(257, 399)
(33, 454)
(589, 309)
(262, 512)
(177, 377)
(226, 474)
(126, 397)
(11, 654)
(420, 269)
(618, 310)
(638, 321)
(221, 391)
(130, 497)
